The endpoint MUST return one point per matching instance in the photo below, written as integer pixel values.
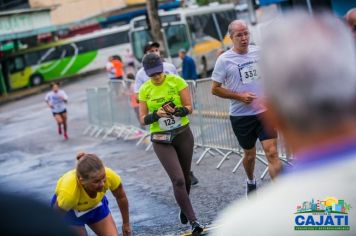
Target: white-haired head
(309, 70)
(234, 24)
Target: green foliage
(202, 2)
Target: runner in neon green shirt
(165, 103)
(156, 95)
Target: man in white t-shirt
(56, 99)
(110, 69)
(141, 78)
(310, 89)
(237, 71)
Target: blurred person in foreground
(310, 91)
(351, 20)
(21, 215)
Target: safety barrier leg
(238, 165)
(264, 173)
(108, 132)
(87, 129)
(266, 170)
(148, 146)
(99, 132)
(226, 156)
(285, 161)
(130, 130)
(203, 155)
(142, 138)
(94, 131)
(261, 159)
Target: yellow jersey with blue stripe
(71, 194)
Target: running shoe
(65, 136)
(59, 130)
(197, 228)
(250, 188)
(183, 218)
(193, 180)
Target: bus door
(19, 73)
(3, 78)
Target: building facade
(69, 11)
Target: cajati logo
(328, 214)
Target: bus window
(139, 39)
(17, 64)
(49, 54)
(111, 40)
(177, 38)
(202, 28)
(66, 50)
(32, 58)
(86, 45)
(224, 19)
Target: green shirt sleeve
(142, 94)
(181, 84)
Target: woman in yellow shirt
(80, 194)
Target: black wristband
(151, 118)
(181, 112)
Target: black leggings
(176, 158)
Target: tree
(155, 23)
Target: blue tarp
(129, 15)
(267, 2)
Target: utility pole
(155, 24)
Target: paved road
(33, 157)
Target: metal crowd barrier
(109, 111)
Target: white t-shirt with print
(239, 73)
(141, 76)
(110, 69)
(55, 100)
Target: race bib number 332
(249, 73)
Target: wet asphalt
(33, 156)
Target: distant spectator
(134, 103)
(189, 71)
(119, 66)
(110, 69)
(56, 100)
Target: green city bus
(64, 58)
